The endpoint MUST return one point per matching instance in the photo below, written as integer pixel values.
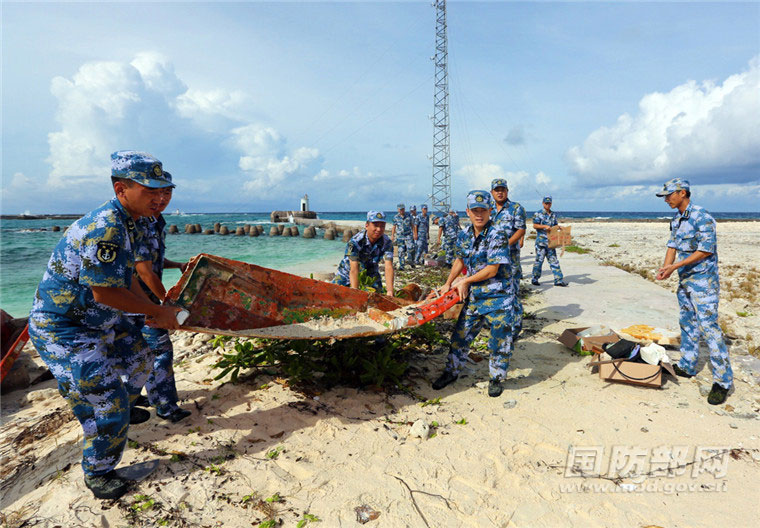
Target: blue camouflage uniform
(489, 301)
(369, 255)
(450, 225)
(423, 235)
(512, 218)
(542, 245)
(160, 386)
(404, 238)
(99, 359)
(699, 290)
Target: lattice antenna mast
(441, 197)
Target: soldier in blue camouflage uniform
(364, 251)
(403, 235)
(693, 251)
(77, 320)
(510, 215)
(487, 292)
(448, 229)
(423, 233)
(542, 221)
(150, 261)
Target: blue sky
(250, 105)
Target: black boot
(444, 379)
(494, 388)
(717, 395)
(681, 372)
(107, 486)
(138, 415)
(175, 415)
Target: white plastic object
(595, 331)
(654, 353)
(182, 316)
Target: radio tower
(441, 156)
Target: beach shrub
(577, 249)
(354, 362)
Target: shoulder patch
(107, 252)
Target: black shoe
(717, 395)
(138, 416)
(494, 388)
(175, 416)
(445, 378)
(562, 283)
(142, 401)
(535, 282)
(681, 372)
(107, 486)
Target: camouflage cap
(412, 207)
(499, 182)
(547, 199)
(376, 216)
(140, 167)
(671, 186)
(479, 199)
(423, 206)
(400, 206)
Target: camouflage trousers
(550, 255)
(406, 251)
(467, 329)
(517, 305)
(421, 249)
(699, 316)
(448, 245)
(160, 386)
(100, 373)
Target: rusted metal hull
(235, 298)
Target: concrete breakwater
(326, 230)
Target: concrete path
(603, 295)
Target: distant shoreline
(42, 217)
(596, 218)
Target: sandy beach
(502, 462)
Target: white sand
(347, 448)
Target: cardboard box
(570, 338)
(630, 371)
(559, 237)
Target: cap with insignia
(376, 216)
(498, 182)
(423, 206)
(547, 199)
(141, 167)
(413, 208)
(671, 186)
(479, 199)
(400, 206)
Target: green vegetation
(577, 249)
(272, 455)
(436, 401)
(744, 314)
(614, 245)
(359, 361)
(143, 503)
(463, 421)
(306, 519)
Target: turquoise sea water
(25, 250)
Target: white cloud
(271, 169)
(479, 176)
(705, 131)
